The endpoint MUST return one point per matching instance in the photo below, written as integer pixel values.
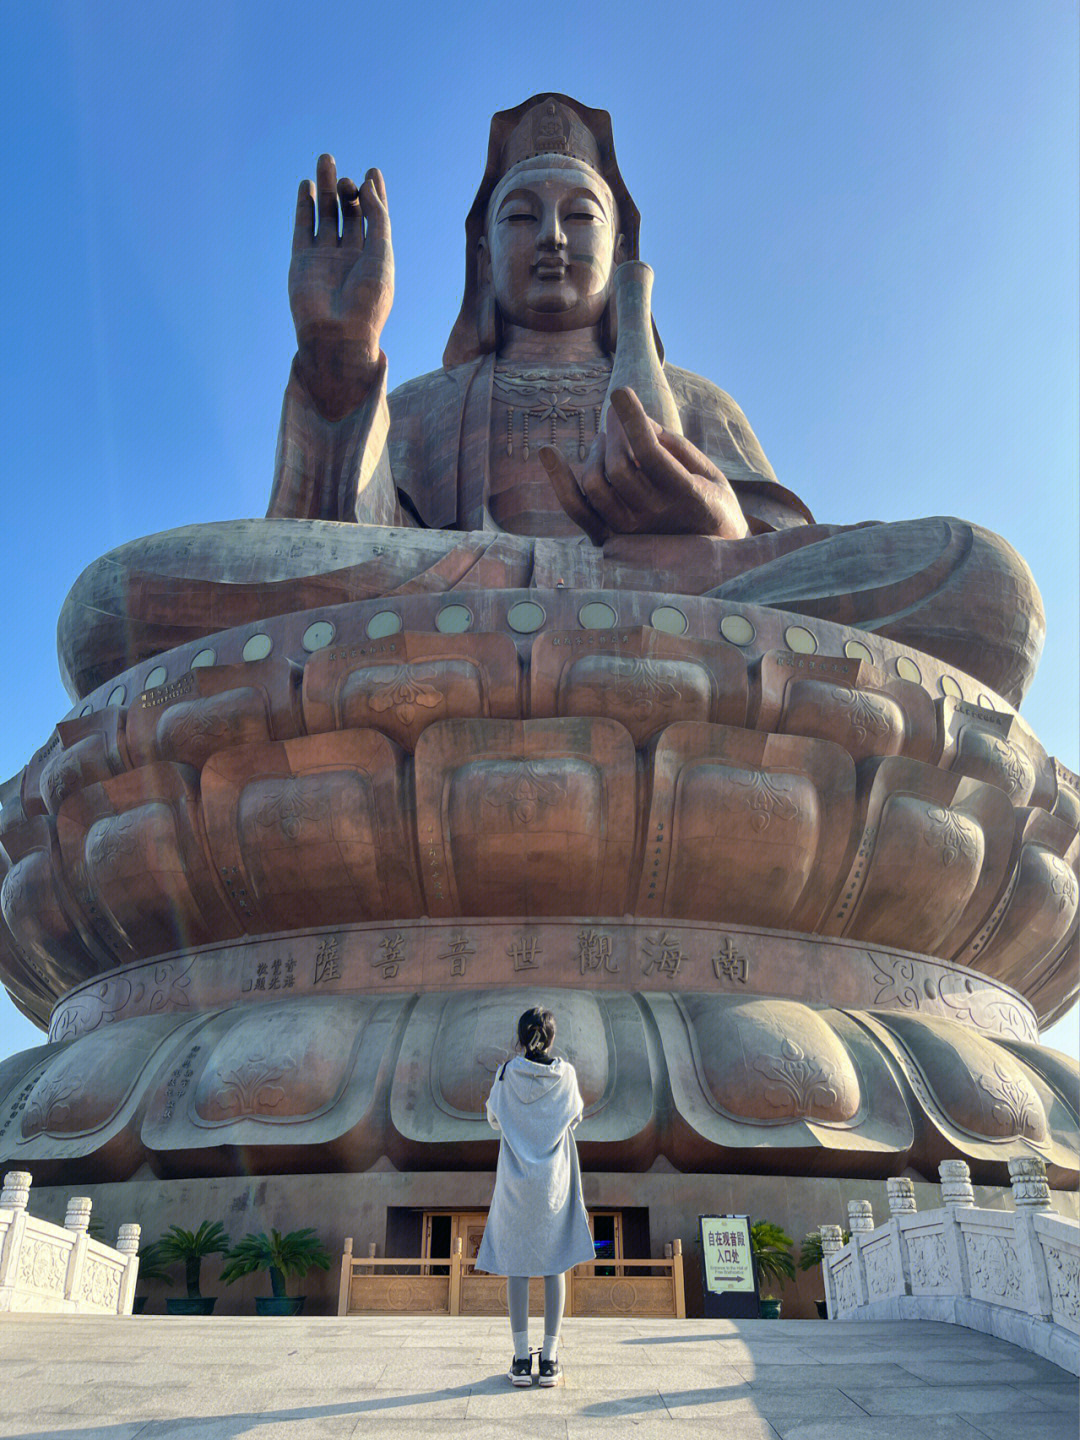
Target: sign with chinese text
(728, 1271)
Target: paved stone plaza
(226, 1378)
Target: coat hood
(529, 1080)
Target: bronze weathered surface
(536, 684)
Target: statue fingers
(375, 208)
(688, 455)
(569, 494)
(304, 224)
(352, 216)
(614, 505)
(667, 475)
(326, 187)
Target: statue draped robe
(420, 458)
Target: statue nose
(551, 235)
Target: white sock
(551, 1348)
(521, 1344)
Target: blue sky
(862, 218)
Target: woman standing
(537, 1224)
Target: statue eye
(518, 217)
(584, 215)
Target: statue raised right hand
(341, 286)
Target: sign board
(729, 1272)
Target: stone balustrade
(1014, 1274)
(61, 1269)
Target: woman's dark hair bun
(536, 1031)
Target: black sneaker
(550, 1374)
(520, 1372)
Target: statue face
(552, 245)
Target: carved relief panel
(997, 748)
(1038, 908)
(526, 817)
(404, 683)
(977, 1098)
(932, 860)
(745, 828)
(93, 748)
(758, 1081)
(51, 933)
(216, 708)
(135, 860)
(313, 831)
(849, 702)
(83, 1104)
(280, 1088)
(643, 678)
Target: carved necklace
(544, 394)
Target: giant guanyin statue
(537, 683)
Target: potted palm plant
(772, 1252)
(190, 1248)
(282, 1255)
(151, 1267)
(810, 1254)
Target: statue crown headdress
(550, 128)
(549, 124)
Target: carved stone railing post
(77, 1215)
(860, 1217)
(77, 1220)
(832, 1242)
(901, 1193)
(14, 1199)
(16, 1192)
(1031, 1196)
(127, 1242)
(956, 1195)
(956, 1191)
(1027, 1176)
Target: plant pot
(769, 1309)
(822, 1309)
(138, 1305)
(279, 1304)
(190, 1304)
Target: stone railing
(1014, 1274)
(59, 1268)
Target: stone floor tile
(970, 1400)
(1026, 1369)
(310, 1427)
(16, 1429)
(539, 1428)
(1051, 1425)
(659, 1426)
(760, 1376)
(520, 1407)
(933, 1427)
(1053, 1395)
(811, 1402)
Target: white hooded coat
(537, 1224)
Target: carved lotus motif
(404, 693)
(284, 1063)
(524, 790)
(772, 1062)
(982, 1089)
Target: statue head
(549, 224)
